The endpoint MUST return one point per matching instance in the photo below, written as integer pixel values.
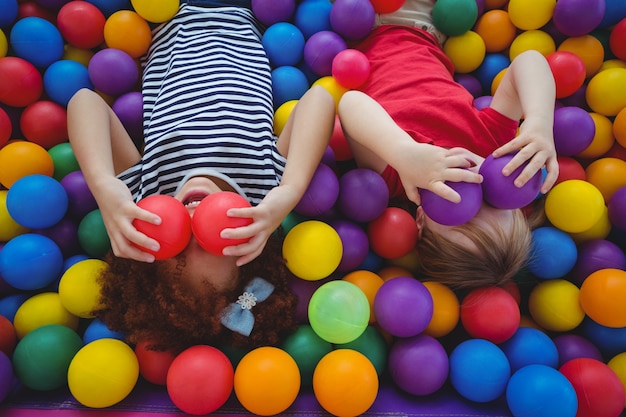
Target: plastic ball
(601, 294)
(6, 127)
(345, 383)
(530, 15)
(40, 310)
(97, 329)
(355, 184)
(321, 193)
(607, 175)
(281, 115)
(51, 198)
(554, 305)
(553, 253)
(393, 234)
(500, 191)
(9, 228)
(602, 141)
(339, 311)
(155, 364)
(210, 219)
(273, 11)
(355, 244)
(466, 51)
(470, 83)
(479, 370)
(419, 352)
(609, 340)
(92, 235)
(350, 68)
(530, 346)
(403, 307)
(36, 40)
(490, 67)
(588, 48)
(454, 17)
(373, 344)
(8, 338)
(103, 373)
(129, 109)
(155, 11)
(79, 288)
(617, 208)
(619, 127)
(496, 29)
(307, 349)
(574, 130)
(352, 19)
(448, 213)
(617, 38)
(7, 377)
(369, 283)
(45, 123)
(446, 309)
(127, 31)
(267, 381)
(288, 83)
(333, 88)
(113, 71)
(284, 44)
(595, 255)
(606, 91)
(303, 290)
(9, 13)
(532, 40)
(65, 163)
(41, 359)
(199, 379)
(616, 363)
(600, 391)
(568, 70)
(20, 82)
(321, 49)
(578, 17)
(571, 346)
(30, 261)
(570, 169)
(312, 250)
(541, 391)
(386, 6)
(80, 199)
(313, 16)
(81, 24)
(64, 78)
(495, 320)
(174, 231)
(574, 206)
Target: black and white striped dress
(207, 104)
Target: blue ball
(529, 346)
(609, 340)
(37, 201)
(284, 44)
(479, 370)
(541, 391)
(492, 64)
(30, 262)
(614, 12)
(98, 330)
(11, 303)
(64, 78)
(37, 41)
(8, 12)
(313, 16)
(288, 83)
(553, 253)
(108, 7)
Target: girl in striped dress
(208, 119)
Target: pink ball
(351, 68)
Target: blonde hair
(497, 257)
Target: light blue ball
(30, 262)
(64, 78)
(284, 44)
(553, 253)
(37, 41)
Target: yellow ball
(612, 63)
(497, 80)
(79, 288)
(82, 56)
(281, 115)
(607, 175)
(312, 250)
(537, 40)
(554, 305)
(600, 230)
(9, 228)
(267, 381)
(603, 138)
(156, 11)
(4, 44)
(574, 206)
(606, 91)
(446, 309)
(40, 310)
(588, 48)
(530, 14)
(466, 51)
(331, 85)
(618, 365)
(103, 373)
(619, 127)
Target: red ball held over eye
(210, 219)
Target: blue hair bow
(237, 316)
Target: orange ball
(128, 31)
(21, 158)
(602, 297)
(619, 127)
(446, 309)
(496, 29)
(369, 283)
(588, 48)
(394, 271)
(607, 175)
(603, 138)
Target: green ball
(339, 311)
(92, 235)
(373, 345)
(41, 359)
(64, 160)
(307, 349)
(455, 17)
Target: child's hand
(535, 143)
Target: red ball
(6, 128)
(570, 169)
(153, 364)
(598, 388)
(617, 40)
(21, 82)
(490, 313)
(173, 233)
(386, 6)
(210, 219)
(339, 144)
(351, 68)
(200, 380)
(81, 24)
(8, 336)
(393, 234)
(44, 123)
(568, 71)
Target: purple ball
(6, 376)
(363, 195)
(578, 99)
(352, 19)
(80, 199)
(113, 71)
(303, 290)
(403, 307)
(355, 244)
(595, 255)
(273, 11)
(617, 208)
(65, 235)
(321, 194)
(320, 50)
(419, 365)
(578, 17)
(572, 346)
(482, 102)
(448, 213)
(574, 130)
(129, 109)
(470, 83)
(500, 191)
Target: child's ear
(419, 221)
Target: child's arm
(377, 141)
(303, 141)
(527, 91)
(104, 149)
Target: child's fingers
(241, 212)
(552, 168)
(445, 192)
(147, 216)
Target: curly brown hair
(143, 302)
